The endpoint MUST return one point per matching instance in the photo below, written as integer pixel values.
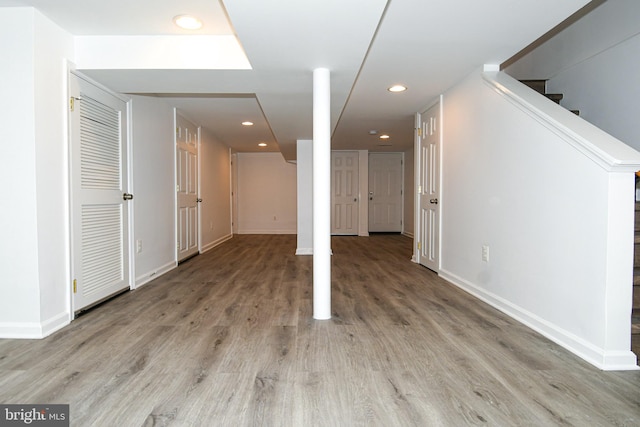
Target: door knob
(355, 200)
(198, 200)
(434, 201)
(127, 196)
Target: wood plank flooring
(228, 339)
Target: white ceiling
(368, 45)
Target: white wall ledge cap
(608, 152)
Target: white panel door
(385, 192)
(187, 228)
(344, 192)
(429, 188)
(99, 193)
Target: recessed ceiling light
(384, 136)
(373, 132)
(397, 88)
(247, 123)
(188, 22)
(262, 144)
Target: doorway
(428, 143)
(344, 192)
(385, 192)
(187, 199)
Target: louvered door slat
(100, 151)
(102, 246)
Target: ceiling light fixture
(262, 144)
(187, 22)
(397, 88)
(373, 132)
(247, 123)
(385, 136)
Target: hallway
(227, 339)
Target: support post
(321, 194)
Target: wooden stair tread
(539, 86)
(555, 97)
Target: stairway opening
(540, 86)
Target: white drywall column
(321, 194)
(304, 161)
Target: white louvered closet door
(100, 254)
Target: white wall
(34, 291)
(594, 63)
(53, 47)
(304, 170)
(546, 211)
(215, 191)
(266, 194)
(19, 286)
(153, 186)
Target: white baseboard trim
(600, 358)
(304, 251)
(408, 234)
(55, 323)
(145, 278)
(34, 330)
(215, 243)
(267, 232)
(26, 330)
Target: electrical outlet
(485, 253)
(139, 246)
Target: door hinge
(419, 246)
(72, 102)
(419, 131)
(75, 286)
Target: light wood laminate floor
(228, 339)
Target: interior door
(385, 192)
(344, 192)
(187, 200)
(99, 193)
(429, 188)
